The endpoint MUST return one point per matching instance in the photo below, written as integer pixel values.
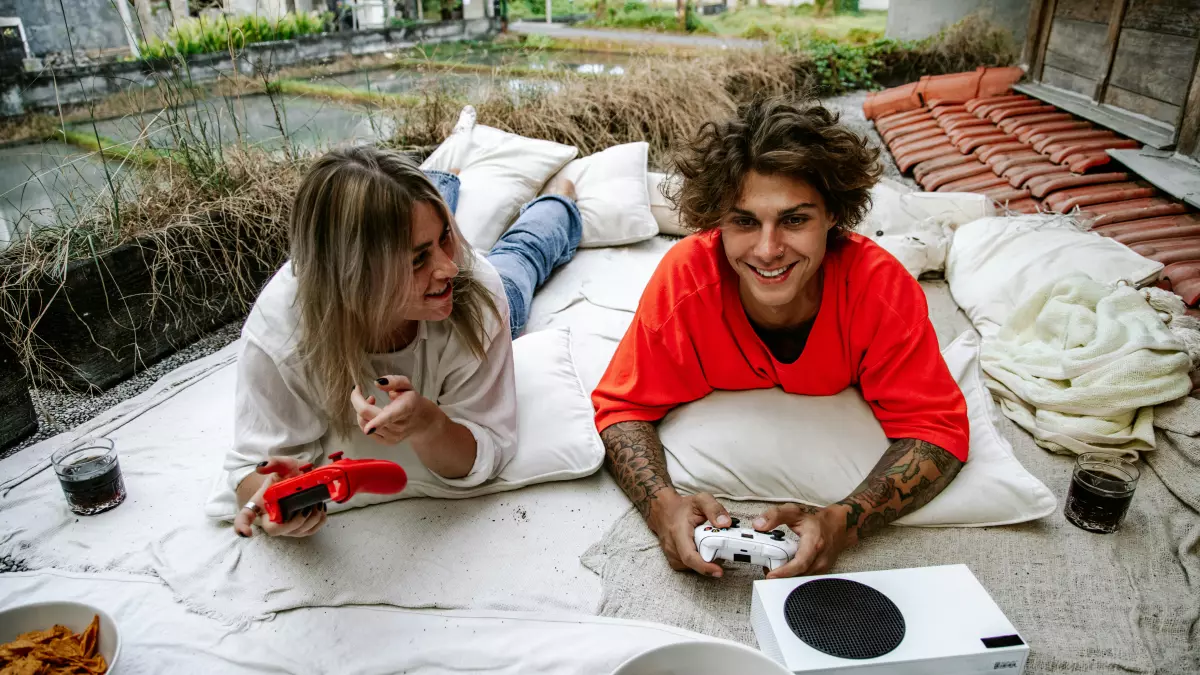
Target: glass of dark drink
(89, 475)
(1102, 486)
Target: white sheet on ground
(1080, 365)
(513, 551)
(159, 636)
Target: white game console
(920, 621)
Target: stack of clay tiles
(967, 132)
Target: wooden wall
(1155, 58)
(1139, 55)
(1077, 39)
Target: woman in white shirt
(382, 294)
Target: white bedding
(171, 440)
(159, 636)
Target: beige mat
(1122, 603)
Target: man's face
(774, 238)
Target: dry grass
(204, 234)
(657, 101)
(971, 42)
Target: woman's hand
(408, 416)
(302, 524)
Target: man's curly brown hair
(797, 138)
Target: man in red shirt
(774, 290)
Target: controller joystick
(337, 481)
(737, 544)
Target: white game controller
(739, 544)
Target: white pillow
(610, 189)
(557, 438)
(916, 227)
(664, 211)
(736, 445)
(499, 172)
(996, 264)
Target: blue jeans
(545, 236)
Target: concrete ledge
(21, 93)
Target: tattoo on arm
(910, 474)
(634, 456)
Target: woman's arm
(271, 419)
(447, 448)
(468, 433)
(275, 433)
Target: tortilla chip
(18, 648)
(27, 665)
(40, 636)
(56, 651)
(96, 666)
(89, 642)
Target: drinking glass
(90, 475)
(1102, 487)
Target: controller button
(777, 535)
(735, 521)
(336, 456)
(306, 468)
(747, 536)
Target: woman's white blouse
(276, 403)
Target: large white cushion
(768, 445)
(664, 211)
(499, 172)
(557, 438)
(996, 264)
(611, 194)
(556, 430)
(916, 226)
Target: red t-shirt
(690, 336)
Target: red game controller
(339, 481)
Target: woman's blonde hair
(351, 249)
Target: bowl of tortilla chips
(49, 638)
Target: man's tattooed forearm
(634, 456)
(910, 474)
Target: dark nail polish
(370, 431)
(307, 511)
(240, 534)
(261, 464)
(382, 380)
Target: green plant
(836, 67)
(539, 41)
(536, 9)
(635, 14)
(206, 35)
(765, 23)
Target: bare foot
(560, 186)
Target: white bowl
(701, 658)
(74, 615)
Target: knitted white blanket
(1081, 364)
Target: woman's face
(774, 238)
(433, 247)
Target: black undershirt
(785, 344)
